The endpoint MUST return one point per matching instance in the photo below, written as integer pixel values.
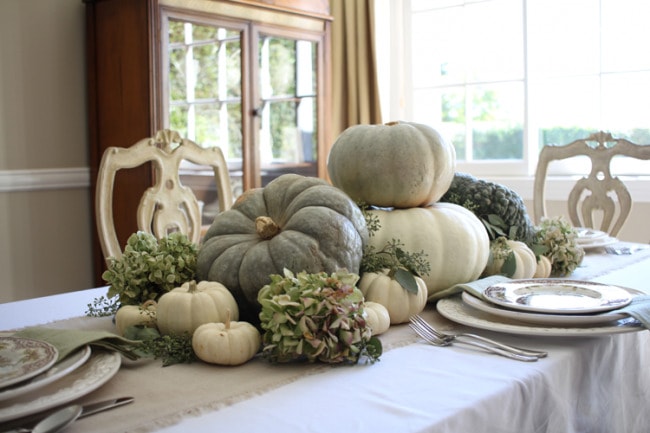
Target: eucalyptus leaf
(406, 280)
(509, 265)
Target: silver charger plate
(542, 318)
(456, 310)
(557, 296)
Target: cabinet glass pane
(288, 125)
(205, 80)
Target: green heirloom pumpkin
(454, 239)
(400, 164)
(295, 222)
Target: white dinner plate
(100, 367)
(557, 296)
(24, 358)
(587, 235)
(542, 318)
(599, 243)
(57, 371)
(456, 310)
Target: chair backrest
(167, 206)
(599, 191)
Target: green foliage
(557, 239)
(402, 265)
(170, 349)
(315, 317)
(149, 268)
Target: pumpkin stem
(191, 287)
(266, 228)
(393, 123)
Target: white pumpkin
(544, 267)
(525, 260)
(377, 317)
(135, 315)
(229, 343)
(183, 309)
(453, 238)
(401, 304)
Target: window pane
(565, 108)
(207, 71)
(497, 120)
(563, 37)
(626, 105)
(625, 36)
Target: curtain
(355, 94)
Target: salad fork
(434, 340)
(446, 336)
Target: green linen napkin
(639, 308)
(69, 340)
(476, 288)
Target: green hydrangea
(149, 267)
(315, 317)
(556, 238)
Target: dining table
(595, 379)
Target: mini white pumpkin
(401, 304)
(377, 317)
(544, 267)
(229, 343)
(135, 315)
(501, 248)
(183, 309)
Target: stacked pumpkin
(402, 169)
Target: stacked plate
(33, 380)
(545, 307)
(591, 238)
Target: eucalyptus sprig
(170, 349)
(402, 265)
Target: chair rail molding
(44, 179)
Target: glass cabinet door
(287, 106)
(251, 89)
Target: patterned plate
(23, 358)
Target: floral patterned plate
(24, 358)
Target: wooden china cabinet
(250, 76)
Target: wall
(45, 213)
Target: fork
(432, 339)
(449, 337)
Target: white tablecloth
(587, 384)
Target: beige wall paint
(45, 236)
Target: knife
(90, 409)
(28, 423)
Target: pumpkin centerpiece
(399, 164)
(298, 223)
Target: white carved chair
(599, 191)
(167, 206)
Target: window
(501, 78)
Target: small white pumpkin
(401, 304)
(377, 317)
(183, 309)
(544, 267)
(501, 248)
(229, 343)
(135, 315)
